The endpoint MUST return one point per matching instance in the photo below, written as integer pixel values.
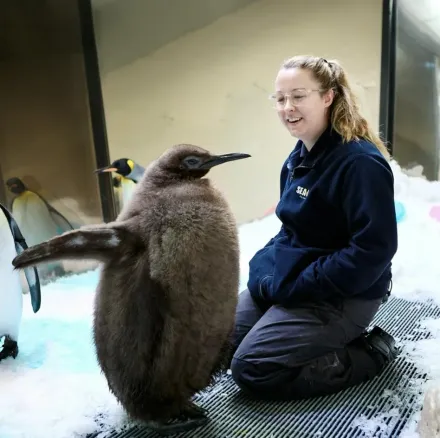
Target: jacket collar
(300, 155)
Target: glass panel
(46, 150)
(201, 72)
(416, 131)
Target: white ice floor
(54, 388)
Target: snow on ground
(55, 388)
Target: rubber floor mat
(388, 401)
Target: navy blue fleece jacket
(339, 228)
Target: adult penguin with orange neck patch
(165, 304)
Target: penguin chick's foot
(10, 348)
(191, 417)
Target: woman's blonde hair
(345, 116)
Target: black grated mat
(390, 399)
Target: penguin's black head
(192, 161)
(122, 166)
(15, 185)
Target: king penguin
(12, 243)
(129, 174)
(165, 304)
(37, 219)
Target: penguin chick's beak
(220, 159)
(106, 169)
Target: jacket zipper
(292, 173)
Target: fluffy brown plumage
(166, 298)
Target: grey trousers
(310, 350)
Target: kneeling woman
(316, 286)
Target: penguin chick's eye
(191, 162)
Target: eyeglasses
(296, 97)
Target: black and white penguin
(12, 243)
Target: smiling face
(301, 105)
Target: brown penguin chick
(166, 298)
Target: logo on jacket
(302, 192)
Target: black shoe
(383, 343)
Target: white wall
(210, 87)
(129, 29)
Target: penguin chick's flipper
(99, 242)
(191, 417)
(10, 349)
(31, 274)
